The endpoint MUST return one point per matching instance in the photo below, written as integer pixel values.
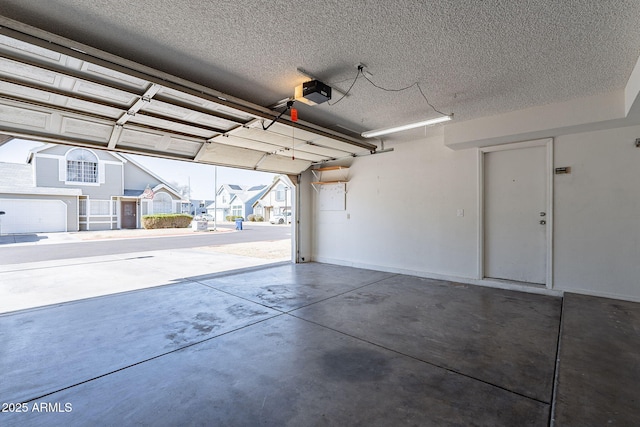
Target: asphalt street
(16, 254)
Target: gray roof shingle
(16, 175)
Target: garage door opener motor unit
(313, 92)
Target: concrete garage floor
(315, 345)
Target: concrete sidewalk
(83, 236)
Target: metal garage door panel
(279, 139)
(301, 155)
(204, 103)
(147, 140)
(33, 216)
(90, 107)
(173, 111)
(29, 50)
(16, 116)
(81, 128)
(184, 146)
(236, 141)
(169, 110)
(46, 121)
(27, 93)
(157, 123)
(284, 164)
(268, 136)
(29, 73)
(284, 131)
(212, 121)
(267, 148)
(114, 76)
(150, 141)
(92, 90)
(229, 155)
(322, 151)
(17, 70)
(64, 98)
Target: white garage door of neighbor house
(33, 216)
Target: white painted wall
(402, 206)
(401, 212)
(597, 213)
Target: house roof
(244, 193)
(46, 147)
(153, 174)
(16, 175)
(169, 189)
(139, 193)
(250, 193)
(279, 179)
(17, 178)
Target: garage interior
(483, 271)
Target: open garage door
(56, 90)
(33, 216)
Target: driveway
(63, 267)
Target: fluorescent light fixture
(378, 132)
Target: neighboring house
(63, 188)
(198, 206)
(235, 200)
(275, 200)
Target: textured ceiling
(473, 58)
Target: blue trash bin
(239, 224)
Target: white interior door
(515, 217)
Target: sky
(201, 177)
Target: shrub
(259, 218)
(231, 218)
(166, 221)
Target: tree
(183, 190)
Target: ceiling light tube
(378, 132)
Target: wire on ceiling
(348, 90)
(416, 84)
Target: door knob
(543, 222)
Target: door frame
(548, 144)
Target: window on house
(162, 203)
(236, 210)
(99, 207)
(82, 166)
(280, 193)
